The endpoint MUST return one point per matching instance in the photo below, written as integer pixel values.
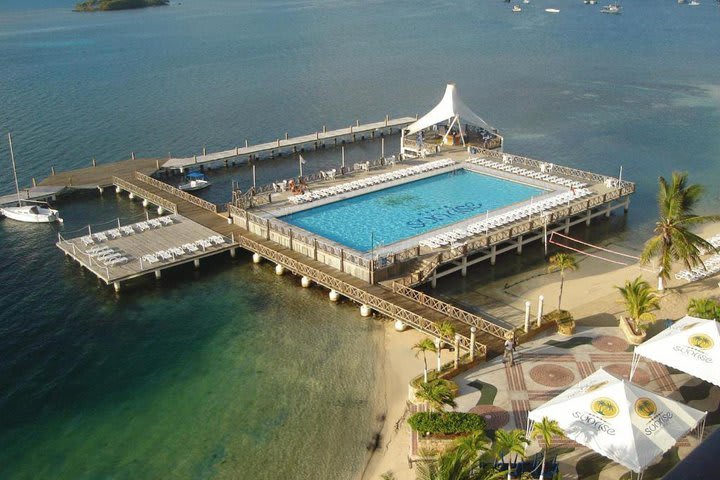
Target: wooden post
(246, 143)
(34, 182)
(286, 136)
(52, 170)
(94, 163)
(132, 155)
(204, 151)
(457, 350)
(472, 343)
(527, 316)
(541, 299)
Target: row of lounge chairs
(126, 230)
(483, 226)
(711, 267)
(108, 256)
(192, 247)
(546, 177)
(714, 241)
(369, 181)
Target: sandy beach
(589, 293)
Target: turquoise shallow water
(410, 209)
(231, 372)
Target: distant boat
(613, 8)
(694, 3)
(517, 9)
(552, 10)
(194, 181)
(589, 2)
(681, 2)
(39, 213)
(526, 2)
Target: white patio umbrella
(619, 420)
(691, 344)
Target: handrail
(358, 294)
(150, 197)
(452, 311)
(177, 192)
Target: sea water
(229, 371)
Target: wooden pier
(196, 218)
(344, 274)
(291, 143)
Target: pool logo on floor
(440, 215)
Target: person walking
(510, 346)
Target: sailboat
(39, 213)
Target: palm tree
(707, 308)
(509, 442)
(546, 429)
(438, 394)
(474, 443)
(455, 464)
(640, 301)
(446, 330)
(423, 346)
(389, 475)
(559, 263)
(673, 241)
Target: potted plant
(640, 301)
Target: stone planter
(633, 337)
(566, 328)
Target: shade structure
(691, 344)
(450, 108)
(619, 420)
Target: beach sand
(589, 293)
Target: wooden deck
(101, 175)
(288, 143)
(140, 243)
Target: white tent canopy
(691, 344)
(619, 420)
(450, 109)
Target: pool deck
(605, 194)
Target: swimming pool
(387, 216)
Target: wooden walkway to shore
(290, 142)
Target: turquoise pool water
(393, 214)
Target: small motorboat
(526, 2)
(694, 3)
(32, 214)
(613, 8)
(552, 10)
(516, 8)
(38, 213)
(194, 181)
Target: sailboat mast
(12, 159)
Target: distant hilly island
(106, 5)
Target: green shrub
(446, 423)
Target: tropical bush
(449, 423)
(707, 308)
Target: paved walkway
(547, 366)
